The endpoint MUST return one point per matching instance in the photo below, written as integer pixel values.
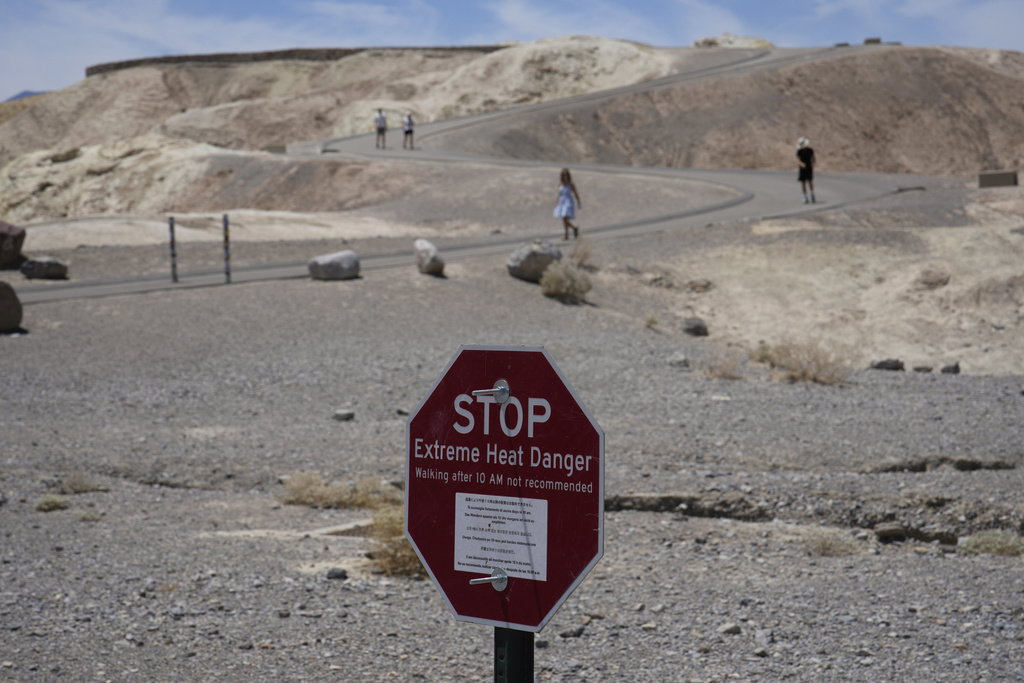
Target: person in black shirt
(805, 156)
(407, 127)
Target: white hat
(802, 142)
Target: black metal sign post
(513, 656)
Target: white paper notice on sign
(499, 532)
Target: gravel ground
(188, 407)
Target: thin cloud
(704, 20)
(977, 23)
(413, 22)
(80, 34)
(527, 21)
(985, 23)
(678, 22)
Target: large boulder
(341, 265)
(428, 258)
(11, 239)
(44, 268)
(529, 261)
(10, 309)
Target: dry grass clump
(580, 255)
(725, 365)
(809, 362)
(392, 553)
(566, 281)
(90, 515)
(51, 502)
(79, 482)
(830, 543)
(309, 488)
(993, 542)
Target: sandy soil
(930, 295)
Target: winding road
(761, 194)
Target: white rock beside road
(428, 258)
(341, 265)
(529, 261)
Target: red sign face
(509, 482)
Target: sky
(47, 44)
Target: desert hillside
(252, 105)
(892, 110)
(153, 174)
(880, 110)
(949, 112)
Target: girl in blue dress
(565, 209)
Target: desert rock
(44, 268)
(11, 240)
(428, 258)
(341, 265)
(10, 308)
(695, 327)
(529, 261)
(887, 364)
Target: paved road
(762, 194)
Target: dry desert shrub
(808, 362)
(762, 353)
(90, 515)
(581, 253)
(993, 542)
(725, 365)
(392, 553)
(565, 281)
(78, 482)
(51, 502)
(309, 488)
(830, 543)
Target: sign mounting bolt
(498, 579)
(500, 392)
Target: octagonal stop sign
(504, 477)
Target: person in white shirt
(381, 123)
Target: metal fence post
(174, 252)
(227, 252)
